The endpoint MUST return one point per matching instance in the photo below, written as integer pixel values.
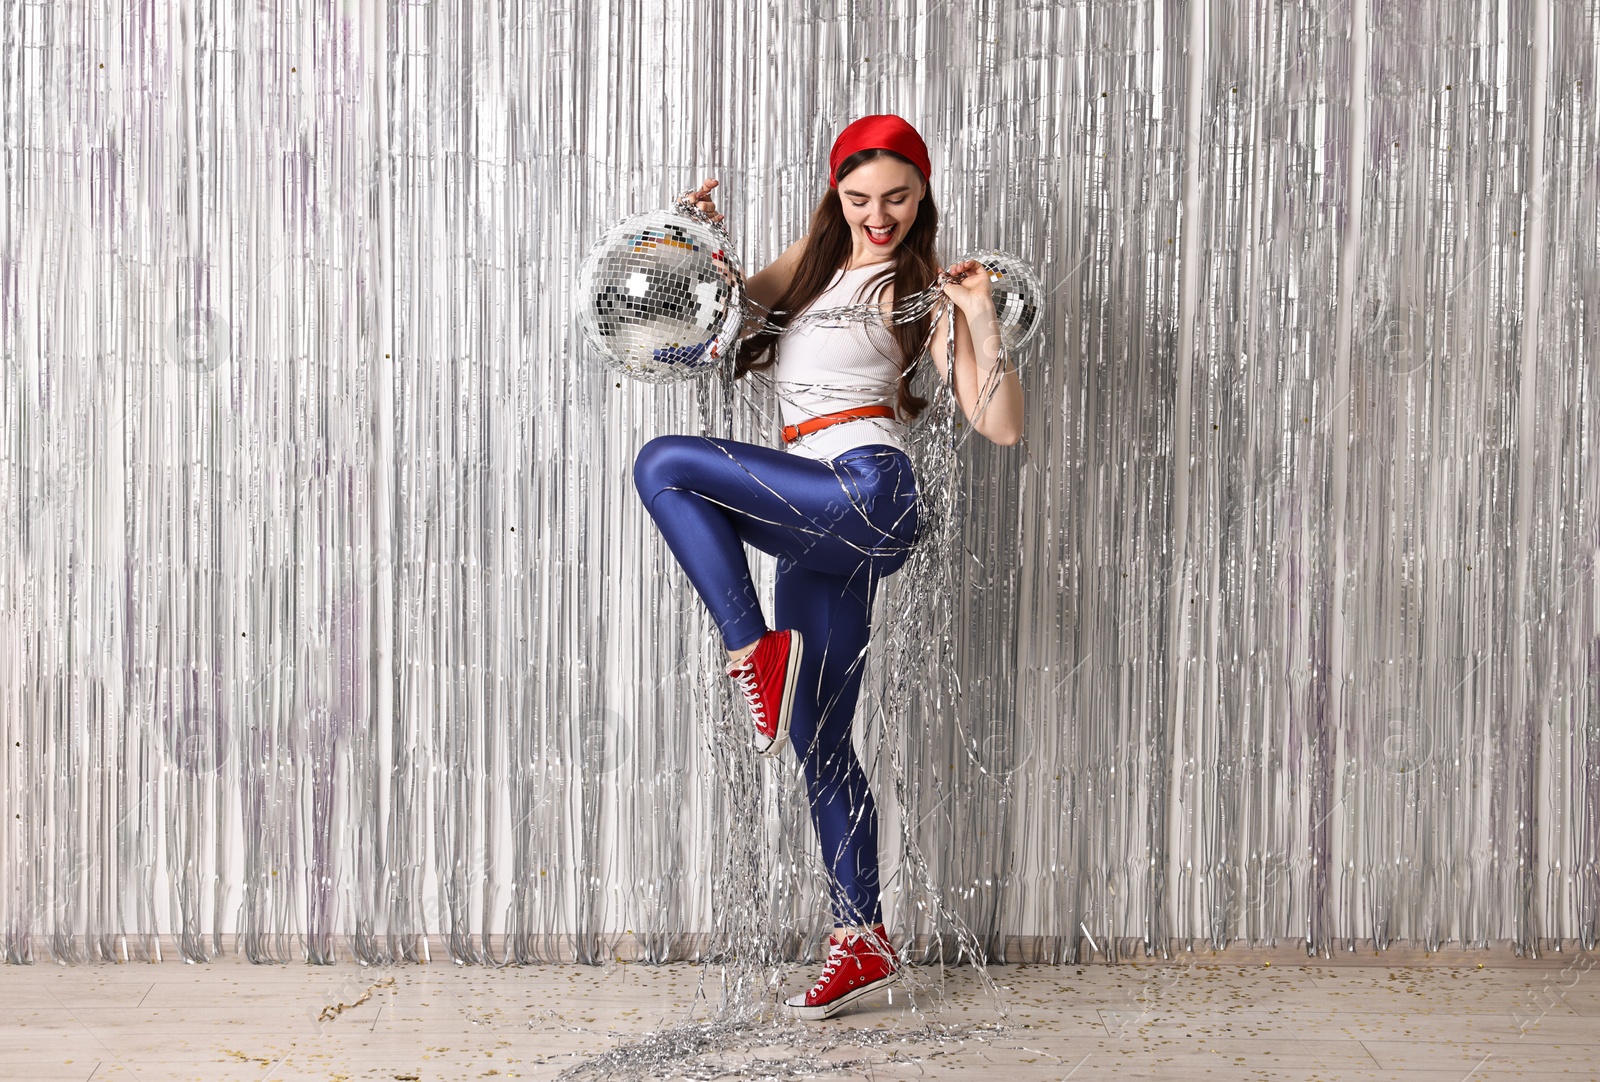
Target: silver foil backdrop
(331, 625)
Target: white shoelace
(835, 957)
(746, 676)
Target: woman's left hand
(968, 287)
(985, 385)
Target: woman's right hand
(701, 198)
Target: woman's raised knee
(661, 464)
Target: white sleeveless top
(825, 368)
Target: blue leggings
(836, 530)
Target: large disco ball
(1017, 296)
(660, 298)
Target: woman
(839, 507)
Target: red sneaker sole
(827, 1010)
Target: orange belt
(828, 420)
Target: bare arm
(990, 396)
(770, 283)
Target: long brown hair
(913, 267)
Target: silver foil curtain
(330, 622)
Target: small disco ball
(660, 298)
(1017, 296)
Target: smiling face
(880, 200)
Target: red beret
(883, 132)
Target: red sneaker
(768, 677)
(864, 962)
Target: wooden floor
(1269, 1016)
